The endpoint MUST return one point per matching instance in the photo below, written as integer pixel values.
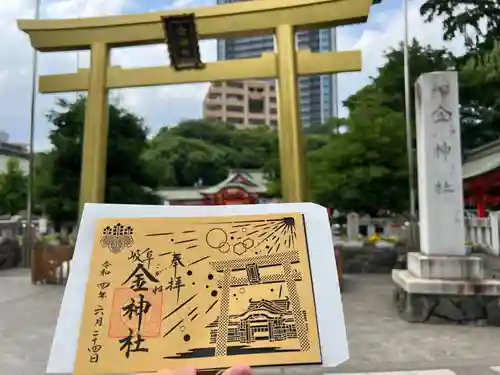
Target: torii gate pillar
(95, 138)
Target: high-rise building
(244, 104)
(318, 101)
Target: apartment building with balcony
(9, 150)
(318, 94)
(242, 103)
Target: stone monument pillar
(442, 282)
(352, 226)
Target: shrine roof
(254, 177)
(256, 182)
(481, 160)
(180, 194)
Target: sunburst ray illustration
(273, 233)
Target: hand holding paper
(235, 370)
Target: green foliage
(480, 98)
(203, 151)
(331, 126)
(358, 163)
(478, 21)
(130, 180)
(181, 161)
(387, 89)
(13, 188)
(365, 169)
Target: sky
(167, 105)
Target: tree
(213, 132)
(245, 148)
(13, 188)
(478, 21)
(253, 147)
(183, 161)
(314, 139)
(129, 178)
(480, 98)
(332, 125)
(363, 169)
(387, 89)
(479, 89)
(43, 165)
(204, 151)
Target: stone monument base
(440, 289)
(445, 267)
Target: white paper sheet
(330, 316)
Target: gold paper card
(204, 292)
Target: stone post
(495, 232)
(370, 226)
(389, 230)
(439, 162)
(441, 282)
(352, 226)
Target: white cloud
(160, 105)
(17, 56)
(81, 8)
(385, 30)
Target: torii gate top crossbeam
(261, 261)
(229, 20)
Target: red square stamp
(137, 311)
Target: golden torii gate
(283, 18)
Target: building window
(214, 107)
(234, 97)
(259, 90)
(256, 105)
(234, 108)
(214, 118)
(235, 85)
(235, 120)
(255, 122)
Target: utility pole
(31, 169)
(409, 132)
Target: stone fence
(367, 226)
(482, 232)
